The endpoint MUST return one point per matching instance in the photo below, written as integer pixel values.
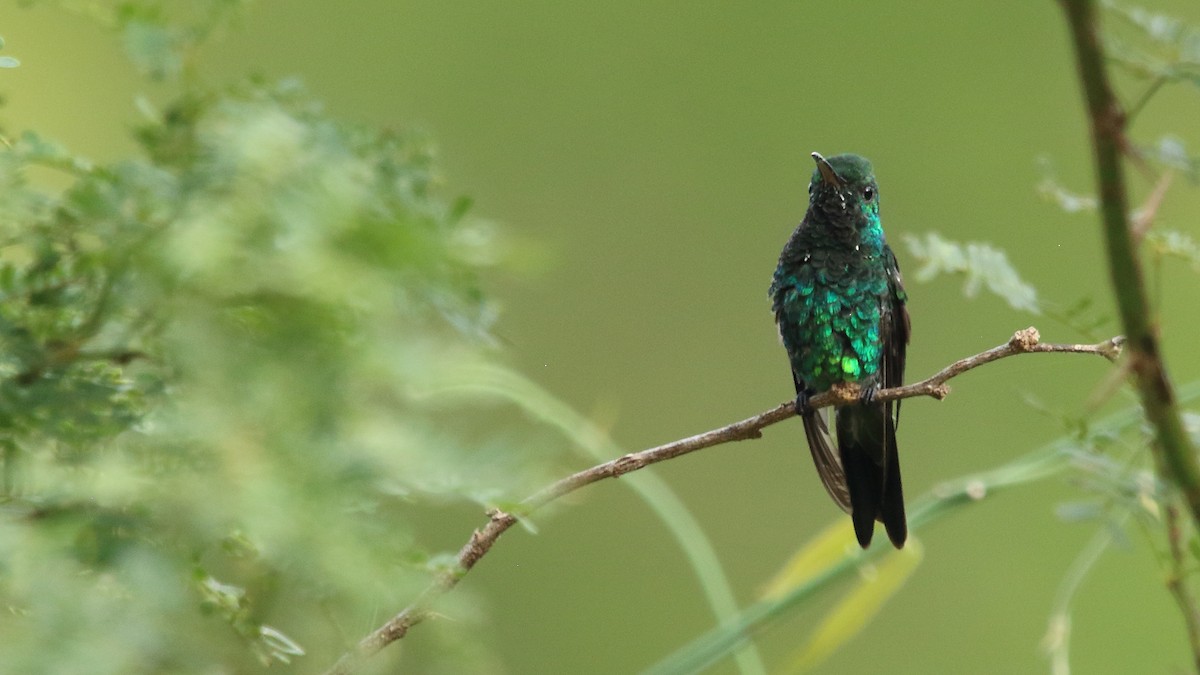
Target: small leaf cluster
(981, 264)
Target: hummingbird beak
(828, 175)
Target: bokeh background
(649, 161)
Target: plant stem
(1108, 142)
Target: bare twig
(1146, 214)
(1140, 104)
(1177, 581)
(1022, 342)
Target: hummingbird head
(843, 197)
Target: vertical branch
(1174, 449)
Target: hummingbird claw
(868, 394)
(802, 406)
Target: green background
(650, 159)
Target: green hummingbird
(839, 304)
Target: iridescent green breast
(830, 326)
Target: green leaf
(279, 646)
(876, 584)
(829, 547)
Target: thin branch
(1145, 216)
(1138, 106)
(1177, 581)
(1022, 342)
(1173, 447)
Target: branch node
(940, 391)
(845, 393)
(1112, 348)
(976, 490)
(1025, 340)
(625, 464)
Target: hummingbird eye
(868, 193)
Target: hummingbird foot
(867, 395)
(802, 406)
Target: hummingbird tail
(825, 458)
(867, 445)
(891, 508)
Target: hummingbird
(839, 303)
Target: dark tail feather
(867, 445)
(862, 477)
(891, 508)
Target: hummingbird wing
(792, 264)
(825, 458)
(895, 331)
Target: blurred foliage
(232, 364)
(1172, 244)
(1054, 191)
(472, 383)
(1157, 50)
(214, 357)
(1157, 46)
(983, 266)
